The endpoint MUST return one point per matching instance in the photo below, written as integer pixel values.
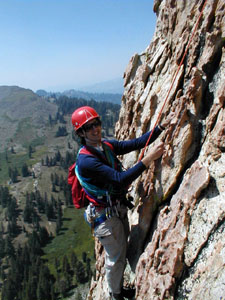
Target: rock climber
(102, 171)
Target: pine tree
(47, 161)
(44, 284)
(9, 249)
(80, 272)
(28, 212)
(73, 260)
(57, 264)
(84, 257)
(43, 236)
(2, 246)
(88, 269)
(59, 217)
(53, 187)
(12, 150)
(6, 156)
(53, 295)
(65, 265)
(30, 150)
(9, 291)
(58, 156)
(25, 170)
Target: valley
(36, 210)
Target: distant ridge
(106, 97)
(114, 86)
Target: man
(102, 176)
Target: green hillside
(42, 236)
(23, 116)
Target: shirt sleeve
(123, 147)
(100, 173)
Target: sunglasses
(91, 126)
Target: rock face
(177, 240)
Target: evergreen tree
(9, 249)
(88, 269)
(61, 131)
(53, 295)
(2, 246)
(47, 161)
(25, 171)
(52, 177)
(65, 265)
(12, 209)
(12, 228)
(34, 244)
(12, 150)
(6, 156)
(84, 257)
(61, 182)
(13, 174)
(80, 273)
(73, 261)
(57, 264)
(30, 150)
(58, 156)
(43, 236)
(62, 285)
(59, 217)
(9, 290)
(28, 212)
(56, 179)
(50, 120)
(5, 196)
(53, 187)
(44, 284)
(40, 202)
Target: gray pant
(113, 236)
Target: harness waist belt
(100, 220)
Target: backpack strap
(108, 157)
(93, 193)
(111, 156)
(85, 150)
(90, 188)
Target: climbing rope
(174, 78)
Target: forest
(25, 273)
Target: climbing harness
(174, 78)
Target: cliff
(177, 241)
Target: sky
(63, 44)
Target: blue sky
(62, 44)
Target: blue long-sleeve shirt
(102, 175)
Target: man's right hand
(153, 154)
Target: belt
(100, 220)
(97, 221)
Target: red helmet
(82, 115)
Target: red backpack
(79, 195)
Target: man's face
(93, 132)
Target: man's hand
(153, 154)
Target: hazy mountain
(106, 97)
(114, 86)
